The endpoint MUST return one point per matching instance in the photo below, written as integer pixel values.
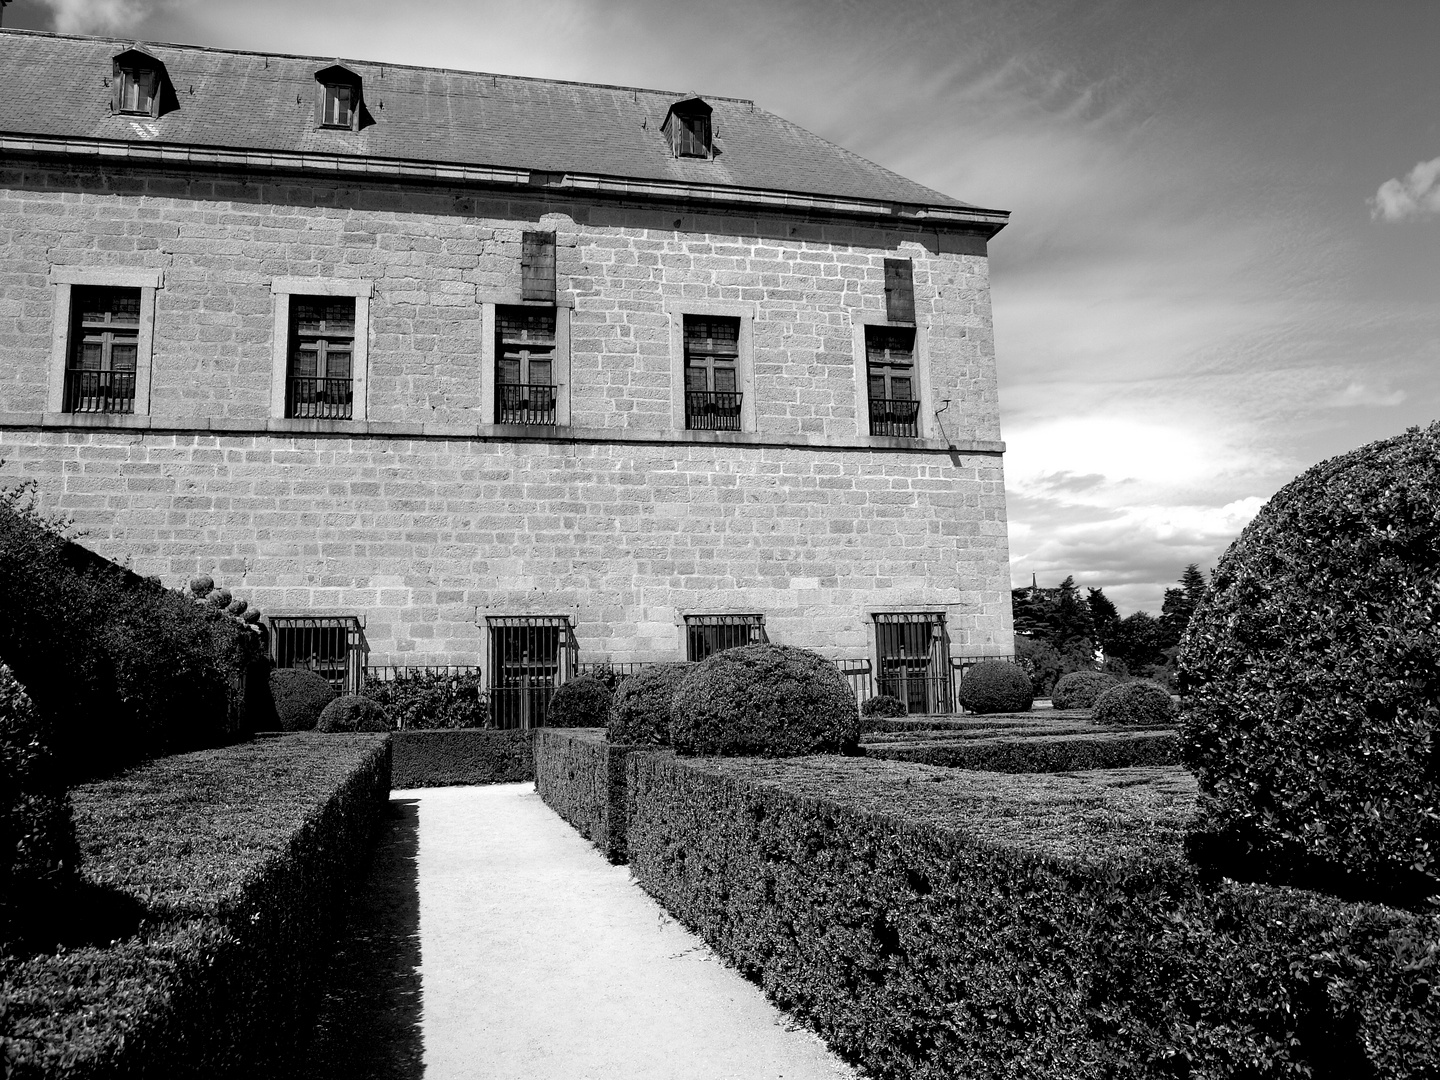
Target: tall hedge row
(122, 668)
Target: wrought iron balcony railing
(90, 391)
(524, 403)
(712, 410)
(894, 416)
(320, 399)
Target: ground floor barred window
(332, 646)
(913, 657)
(709, 634)
(529, 657)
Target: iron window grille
(529, 657)
(913, 661)
(706, 635)
(890, 369)
(525, 389)
(322, 345)
(332, 646)
(104, 345)
(712, 360)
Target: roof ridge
(134, 41)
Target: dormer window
(337, 100)
(687, 126)
(139, 80)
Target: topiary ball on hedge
(300, 696)
(1139, 701)
(640, 710)
(1079, 689)
(995, 686)
(774, 700)
(1313, 712)
(582, 702)
(886, 705)
(352, 712)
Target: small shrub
(1139, 701)
(1079, 689)
(582, 702)
(425, 700)
(995, 686)
(884, 705)
(352, 712)
(640, 709)
(774, 700)
(202, 586)
(300, 697)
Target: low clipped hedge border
(936, 923)
(446, 757)
(241, 857)
(1044, 753)
(582, 778)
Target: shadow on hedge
(369, 1021)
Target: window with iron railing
(530, 656)
(914, 660)
(712, 358)
(320, 383)
(332, 646)
(104, 346)
(525, 391)
(890, 369)
(706, 635)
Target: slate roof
(54, 85)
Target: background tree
(1180, 603)
(1104, 617)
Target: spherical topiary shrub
(1079, 689)
(1139, 701)
(640, 710)
(885, 705)
(582, 702)
(202, 586)
(300, 696)
(1313, 712)
(774, 700)
(351, 712)
(994, 686)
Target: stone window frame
(675, 311)
(560, 372)
(924, 419)
(282, 289)
(63, 280)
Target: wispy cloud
(98, 16)
(1357, 395)
(1417, 195)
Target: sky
(1221, 264)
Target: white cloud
(1357, 394)
(97, 16)
(1417, 195)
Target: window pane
(307, 361)
(90, 355)
(725, 379)
(540, 373)
(900, 389)
(695, 379)
(337, 364)
(122, 355)
(877, 387)
(509, 372)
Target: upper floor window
(322, 344)
(525, 365)
(712, 356)
(706, 635)
(899, 290)
(537, 267)
(138, 84)
(890, 372)
(338, 98)
(687, 126)
(339, 108)
(104, 347)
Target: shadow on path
(368, 1024)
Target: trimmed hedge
(1137, 702)
(239, 860)
(1038, 754)
(932, 923)
(581, 777)
(352, 712)
(995, 686)
(300, 697)
(640, 709)
(425, 700)
(1079, 689)
(1313, 709)
(123, 668)
(583, 702)
(764, 699)
(883, 705)
(467, 756)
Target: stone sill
(482, 432)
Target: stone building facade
(648, 395)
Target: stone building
(445, 368)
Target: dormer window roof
(138, 82)
(687, 126)
(337, 99)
